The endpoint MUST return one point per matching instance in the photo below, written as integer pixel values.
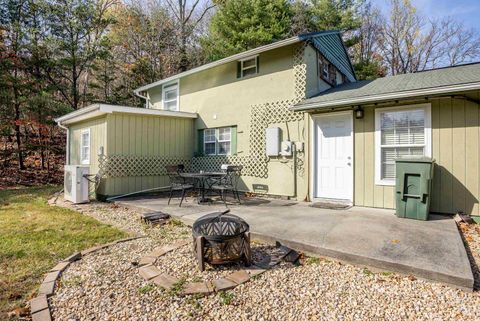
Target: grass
(35, 236)
(226, 298)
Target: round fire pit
(220, 238)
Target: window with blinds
(400, 133)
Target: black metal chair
(177, 182)
(228, 183)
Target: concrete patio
(375, 238)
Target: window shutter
(239, 69)
(233, 140)
(258, 64)
(200, 142)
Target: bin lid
(415, 159)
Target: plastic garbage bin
(414, 176)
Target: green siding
(455, 147)
(137, 135)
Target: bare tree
(188, 15)
(462, 44)
(409, 43)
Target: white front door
(333, 156)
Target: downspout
(147, 103)
(67, 156)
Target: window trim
(242, 69)
(164, 100)
(217, 141)
(378, 153)
(87, 160)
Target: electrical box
(75, 183)
(286, 148)
(273, 141)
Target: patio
(376, 238)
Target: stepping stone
(148, 272)
(38, 304)
(292, 257)
(74, 257)
(239, 277)
(43, 315)
(159, 251)
(165, 281)
(60, 266)
(52, 276)
(47, 288)
(146, 260)
(255, 270)
(181, 243)
(197, 288)
(223, 284)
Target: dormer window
(170, 96)
(247, 67)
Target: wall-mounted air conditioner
(76, 185)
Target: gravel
(105, 285)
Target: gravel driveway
(106, 285)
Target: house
(295, 116)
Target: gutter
(387, 96)
(67, 155)
(137, 93)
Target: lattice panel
(252, 165)
(300, 72)
(132, 165)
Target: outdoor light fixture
(358, 112)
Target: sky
(466, 11)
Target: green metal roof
(331, 46)
(430, 82)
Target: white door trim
(313, 150)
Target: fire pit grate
(220, 238)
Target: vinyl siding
(136, 135)
(98, 131)
(455, 147)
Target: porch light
(358, 112)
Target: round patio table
(201, 178)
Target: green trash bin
(414, 176)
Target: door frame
(314, 146)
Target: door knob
(349, 163)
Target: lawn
(34, 236)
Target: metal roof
(97, 110)
(331, 46)
(334, 51)
(429, 82)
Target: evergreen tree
(239, 25)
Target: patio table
(201, 178)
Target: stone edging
(39, 309)
(151, 273)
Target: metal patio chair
(228, 183)
(177, 182)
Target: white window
(248, 66)
(400, 132)
(170, 96)
(217, 141)
(210, 142)
(224, 141)
(85, 147)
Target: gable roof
(429, 82)
(330, 41)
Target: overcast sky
(467, 11)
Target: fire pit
(220, 238)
